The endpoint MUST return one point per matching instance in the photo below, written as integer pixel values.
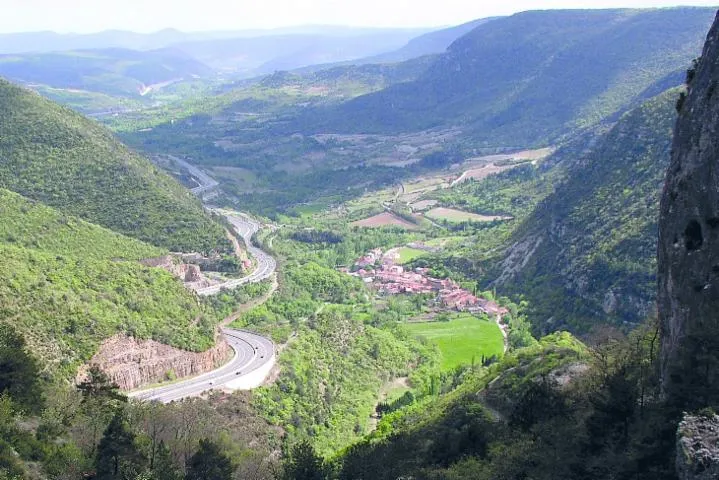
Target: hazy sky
(192, 15)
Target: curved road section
(253, 359)
(254, 355)
(245, 227)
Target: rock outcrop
(188, 273)
(133, 363)
(698, 448)
(688, 253)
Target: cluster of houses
(381, 271)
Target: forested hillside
(588, 250)
(60, 158)
(532, 77)
(69, 285)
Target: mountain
(253, 56)
(47, 41)
(69, 285)
(38, 42)
(428, 44)
(119, 72)
(56, 156)
(588, 250)
(530, 78)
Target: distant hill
(428, 44)
(68, 285)
(47, 41)
(532, 77)
(54, 155)
(588, 251)
(254, 56)
(43, 42)
(119, 72)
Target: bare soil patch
(385, 219)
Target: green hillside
(476, 421)
(532, 77)
(69, 284)
(596, 234)
(60, 158)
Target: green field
(407, 254)
(461, 339)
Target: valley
(349, 253)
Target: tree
(19, 372)
(209, 463)
(98, 385)
(304, 463)
(164, 467)
(117, 452)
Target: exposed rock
(688, 260)
(193, 274)
(698, 448)
(132, 363)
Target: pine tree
(304, 463)
(117, 451)
(209, 463)
(19, 371)
(165, 467)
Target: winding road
(253, 359)
(245, 227)
(254, 355)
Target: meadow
(462, 339)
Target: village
(380, 270)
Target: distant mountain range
(532, 77)
(39, 42)
(114, 71)
(254, 56)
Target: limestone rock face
(688, 256)
(698, 448)
(133, 363)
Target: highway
(206, 182)
(254, 356)
(245, 227)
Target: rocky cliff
(587, 253)
(688, 253)
(133, 363)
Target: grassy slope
(534, 76)
(462, 340)
(599, 226)
(70, 284)
(56, 156)
(453, 426)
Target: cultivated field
(385, 219)
(461, 339)
(458, 216)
